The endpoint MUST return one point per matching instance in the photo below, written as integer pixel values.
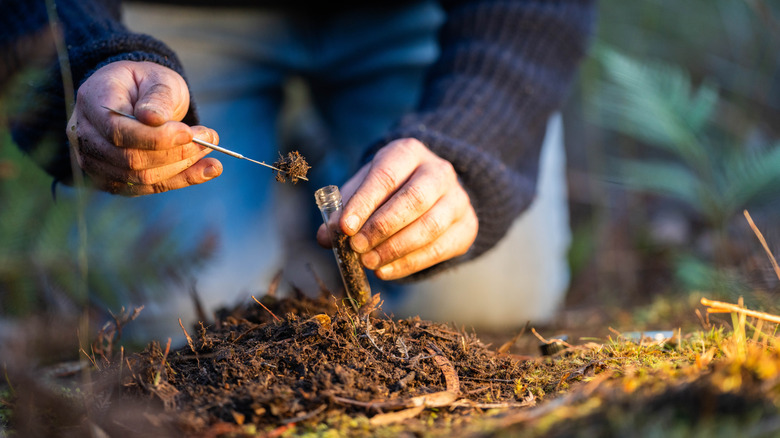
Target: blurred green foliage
(678, 103)
(129, 260)
(711, 171)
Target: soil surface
(268, 365)
(302, 366)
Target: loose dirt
(301, 366)
(305, 361)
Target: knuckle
(414, 196)
(191, 180)
(158, 187)
(446, 168)
(362, 204)
(116, 135)
(432, 225)
(135, 159)
(408, 145)
(146, 177)
(436, 252)
(386, 178)
(380, 227)
(390, 251)
(168, 132)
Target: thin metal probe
(212, 146)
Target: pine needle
(763, 243)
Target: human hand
(406, 211)
(151, 154)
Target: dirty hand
(152, 154)
(406, 211)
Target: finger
(150, 176)
(323, 237)
(387, 172)
(202, 171)
(426, 229)
(123, 131)
(162, 96)
(421, 191)
(92, 144)
(453, 243)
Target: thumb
(162, 95)
(155, 105)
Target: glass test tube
(352, 273)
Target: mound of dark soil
(308, 362)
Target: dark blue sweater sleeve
(94, 36)
(505, 67)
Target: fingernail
(370, 259)
(352, 222)
(385, 271)
(182, 138)
(151, 108)
(210, 172)
(359, 243)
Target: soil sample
(352, 273)
(293, 166)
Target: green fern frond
(655, 103)
(751, 177)
(660, 177)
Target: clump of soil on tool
(293, 166)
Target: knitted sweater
(505, 67)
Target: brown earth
(308, 361)
(303, 366)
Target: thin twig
(763, 243)
(164, 358)
(266, 309)
(561, 341)
(189, 342)
(720, 307)
(90, 358)
(132, 373)
(507, 345)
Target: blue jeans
(362, 71)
